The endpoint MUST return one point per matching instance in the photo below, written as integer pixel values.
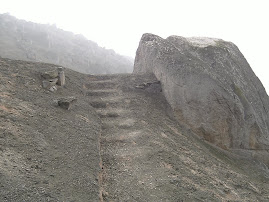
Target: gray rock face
(211, 88)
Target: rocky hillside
(212, 89)
(118, 142)
(24, 40)
(46, 152)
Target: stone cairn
(53, 78)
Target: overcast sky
(119, 24)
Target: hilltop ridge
(30, 41)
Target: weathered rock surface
(211, 88)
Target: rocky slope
(46, 153)
(119, 142)
(24, 40)
(212, 89)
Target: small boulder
(50, 74)
(66, 102)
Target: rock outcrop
(211, 88)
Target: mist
(119, 24)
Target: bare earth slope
(117, 143)
(46, 153)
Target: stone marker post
(61, 77)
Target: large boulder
(211, 88)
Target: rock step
(121, 134)
(98, 104)
(101, 77)
(107, 84)
(113, 139)
(119, 123)
(109, 114)
(115, 99)
(106, 92)
(105, 103)
(112, 112)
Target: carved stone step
(101, 92)
(100, 85)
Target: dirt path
(147, 156)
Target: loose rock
(67, 102)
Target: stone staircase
(145, 154)
(124, 140)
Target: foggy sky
(119, 24)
